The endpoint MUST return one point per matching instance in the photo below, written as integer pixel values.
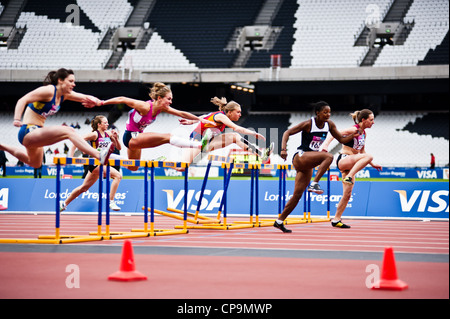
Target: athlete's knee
(235, 137)
(327, 158)
(369, 157)
(68, 129)
(35, 164)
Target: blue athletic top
(46, 109)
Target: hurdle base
(219, 226)
(66, 239)
(287, 221)
(257, 223)
(29, 241)
(120, 235)
(199, 219)
(161, 232)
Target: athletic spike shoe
(159, 159)
(339, 224)
(62, 206)
(315, 189)
(113, 206)
(282, 228)
(348, 180)
(266, 152)
(106, 152)
(207, 135)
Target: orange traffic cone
(389, 279)
(127, 270)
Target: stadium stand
(201, 38)
(430, 28)
(196, 34)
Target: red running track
(315, 261)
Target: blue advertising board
(369, 199)
(367, 172)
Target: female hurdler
(42, 103)
(99, 138)
(314, 133)
(143, 114)
(352, 158)
(229, 112)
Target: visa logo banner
(409, 199)
(434, 202)
(209, 203)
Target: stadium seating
(315, 33)
(431, 26)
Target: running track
(315, 261)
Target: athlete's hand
(283, 154)
(17, 123)
(90, 103)
(186, 122)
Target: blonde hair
(223, 105)
(159, 90)
(96, 121)
(359, 116)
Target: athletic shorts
(25, 129)
(299, 153)
(341, 156)
(127, 136)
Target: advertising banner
(368, 172)
(369, 199)
(422, 200)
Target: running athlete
(314, 133)
(99, 138)
(352, 158)
(143, 114)
(228, 113)
(42, 103)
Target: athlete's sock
(184, 143)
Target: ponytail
(96, 121)
(53, 76)
(223, 105)
(359, 116)
(159, 90)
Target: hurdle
(196, 218)
(306, 201)
(161, 232)
(57, 238)
(227, 165)
(108, 234)
(99, 234)
(254, 192)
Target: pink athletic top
(137, 123)
(358, 142)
